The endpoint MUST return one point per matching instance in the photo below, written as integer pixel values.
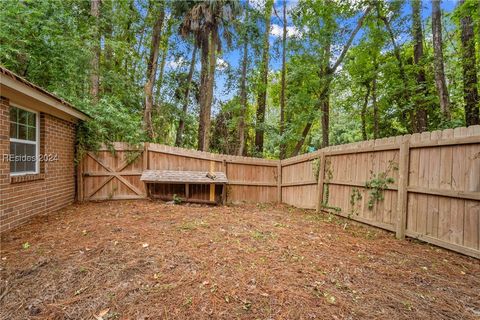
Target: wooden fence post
(145, 166)
(212, 185)
(402, 188)
(224, 186)
(145, 156)
(80, 180)
(279, 181)
(321, 176)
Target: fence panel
(444, 189)
(112, 175)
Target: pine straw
(249, 262)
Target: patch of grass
(263, 206)
(247, 305)
(82, 269)
(262, 235)
(193, 225)
(188, 226)
(280, 225)
(188, 302)
(407, 305)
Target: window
(24, 136)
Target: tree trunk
(283, 151)
(325, 101)
(206, 83)
(138, 50)
(299, 144)
(108, 34)
(181, 123)
(375, 107)
(95, 61)
(324, 94)
(326, 122)
(363, 113)
(262, 92)
(243, 90)
(470, 91)
(165, 43)
(405, 95)
(151, 72)
(420, 105)
(438, 60)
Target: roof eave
(14, 82)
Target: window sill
(27, 177)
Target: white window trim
(36, 142)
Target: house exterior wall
(22, 197)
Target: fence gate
(111, 175)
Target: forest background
(271, 78)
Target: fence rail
(425, 185)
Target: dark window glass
(22, 132)
(32, 132)
(24, 154)
(31, 119)
(23, 126)
(30, 150)
(13, 130)
(19, 163)
(13, 114)
(22, 116)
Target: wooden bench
(189, 186)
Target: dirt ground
(150, 260)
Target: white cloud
(257, 4)
(277, 31)
(180, 62)
(221, 64)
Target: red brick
(20, 201)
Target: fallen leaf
(101, 314)
(145, 245)
(331, 299)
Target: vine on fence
(379, 183)
(316, 168)
(355, 196)
(328, 177)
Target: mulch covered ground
(149, 260)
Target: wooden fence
(425, 185)
(116, 175)
(433, 194)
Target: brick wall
(22, 197)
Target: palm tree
(206, 21)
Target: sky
(232, 58)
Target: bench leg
(224, 194)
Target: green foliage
(49, 43)
(316, 168)
(111, 122)
(378, 183)
(355, 196)
(177, 199)
(328, 178)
